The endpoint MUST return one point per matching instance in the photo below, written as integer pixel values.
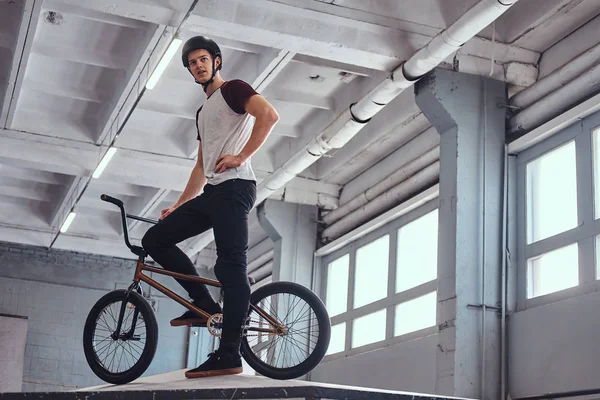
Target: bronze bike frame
(139, 276)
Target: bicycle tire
(135, 371)
(322, 342)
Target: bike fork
(133, 286)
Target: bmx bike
(285, 336)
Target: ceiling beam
(130, 9)
(6, 41)
(66, 201)
(64, 89)
(149, 207)
(31, 14)
(349, 68)
(340, 38)
(289, 96)
(148, 58)
(70, 157)
(82, 56)
(269, 68)
(92, 15)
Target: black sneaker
(190, 318)
(219, 363)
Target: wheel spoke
(297, 343)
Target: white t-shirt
(224, 127)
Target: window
(368, 329)
(553, 271)
(552, 193)
(337, 286)
(596, 160)
(416, 314)
(383, 285)
(416, 260)
(372, 271)
(337, 343)
(558, 204)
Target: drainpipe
(351, 121)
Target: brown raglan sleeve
(236, 92)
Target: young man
(231, 125)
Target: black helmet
(197, 43)
(202, 42)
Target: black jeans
(225, 208)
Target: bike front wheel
(288, 331)
(123, 356)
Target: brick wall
(55, 290)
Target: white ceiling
(71, 72)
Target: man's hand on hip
(228, 161)
(166, 211)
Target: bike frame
(140, 277)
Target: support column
(468, 113)
(293, 230)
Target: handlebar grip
(109, 199)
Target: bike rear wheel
(302, 340)
(120, 357)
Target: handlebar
(124, 216)
(116, 202)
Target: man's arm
(266, 118)
(195, 184)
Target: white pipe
(260, 260)
(448, 41)
(262, 272)
(558, 101)
(558, 78)
(403, 173)
(418, 145)
(395, 195)
(351, 121)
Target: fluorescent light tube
(162, 65)
(109, 154)
(68, 221)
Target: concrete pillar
(293, 229)
(467, 112)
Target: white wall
(554, 347)
(408, 366)
(55, 290)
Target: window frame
(584, 234)
(392, 299)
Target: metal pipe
(414, 148)
(351, 121)
(403, 173)
(260, 260)
(580, 88)
(503, 278)
(426, 177)
(558, 78)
